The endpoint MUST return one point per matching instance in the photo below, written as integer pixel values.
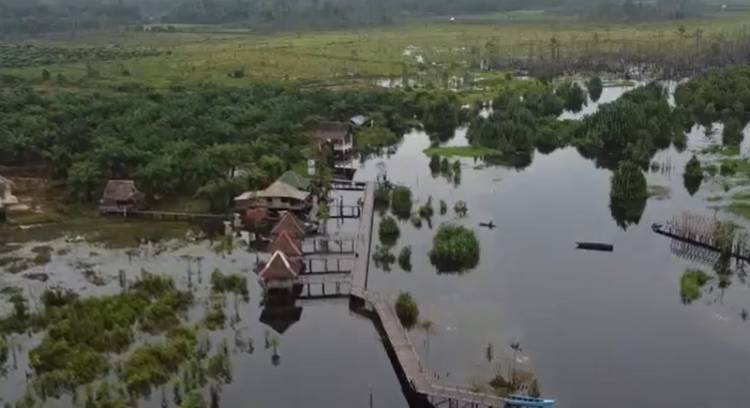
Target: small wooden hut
(279, 196)
(337, 135)
(290, 224)
(121, 196)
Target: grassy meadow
(191, 55)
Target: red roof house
(290, 224)
(279, 269)
(286, 244)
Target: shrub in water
(454, 248)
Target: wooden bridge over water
(420, 389)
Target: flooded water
(597, 329)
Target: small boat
(489, 225)
(595, 246)
(523, 401)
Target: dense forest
(210, 140)
(39, 16)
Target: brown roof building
(279, 196)
(290, 224)
(286, 244)
(336, 134)
(279, 269)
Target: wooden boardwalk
(164, 215)
(364, 242)
(420, 389)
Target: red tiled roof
(278, 268)
(286, 244)
(288, 223)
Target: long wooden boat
(523, 401)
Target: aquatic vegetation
(407, 310)
(573, 95)
(388, 231)
(732, 132)
(443, 207)
(3, 351)
(382, 197)
(404, 258)
(454, 249)
(595, 87)
(383, 257)
(693, 175)
(628, 182)
(461, 208)
(416, 221)
(215, 316)
(426, 211)
(219, 365)
(233, 283)
(459, 151)
(691, 282)
(401, 202)
(154, 364)
(440, 115)
(717, 94)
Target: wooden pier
(416, 381)
(347, 185)
(164, 215)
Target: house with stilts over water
(279, 272)
(334, 135)
(286, 244)
(277, 197)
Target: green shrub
(426, 210)
(595, 88)
(383, 257)
(388, 231)
(628, 182)
(693, 175)
(404, 258)
(401, 202)
(407, 310)
(732, 133)
(454, 248)
(573, 96)
(691, 283)
(233, 283)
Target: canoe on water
(595, 246)
(522, 401)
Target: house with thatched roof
(337, 135)
(121, 196)
(286, 244)
(279, 196)
(289, 224)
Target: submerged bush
(573, 96)
(404, 258)
(732, 133)
(233, 283)
(401, 202)
(628, 182)
(693, 175)
(383, 257)
(407, 310)
(691, 283)
(388, 231)
(595, 88)
(454, 248)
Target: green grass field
(461, 151)
(208, 54)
